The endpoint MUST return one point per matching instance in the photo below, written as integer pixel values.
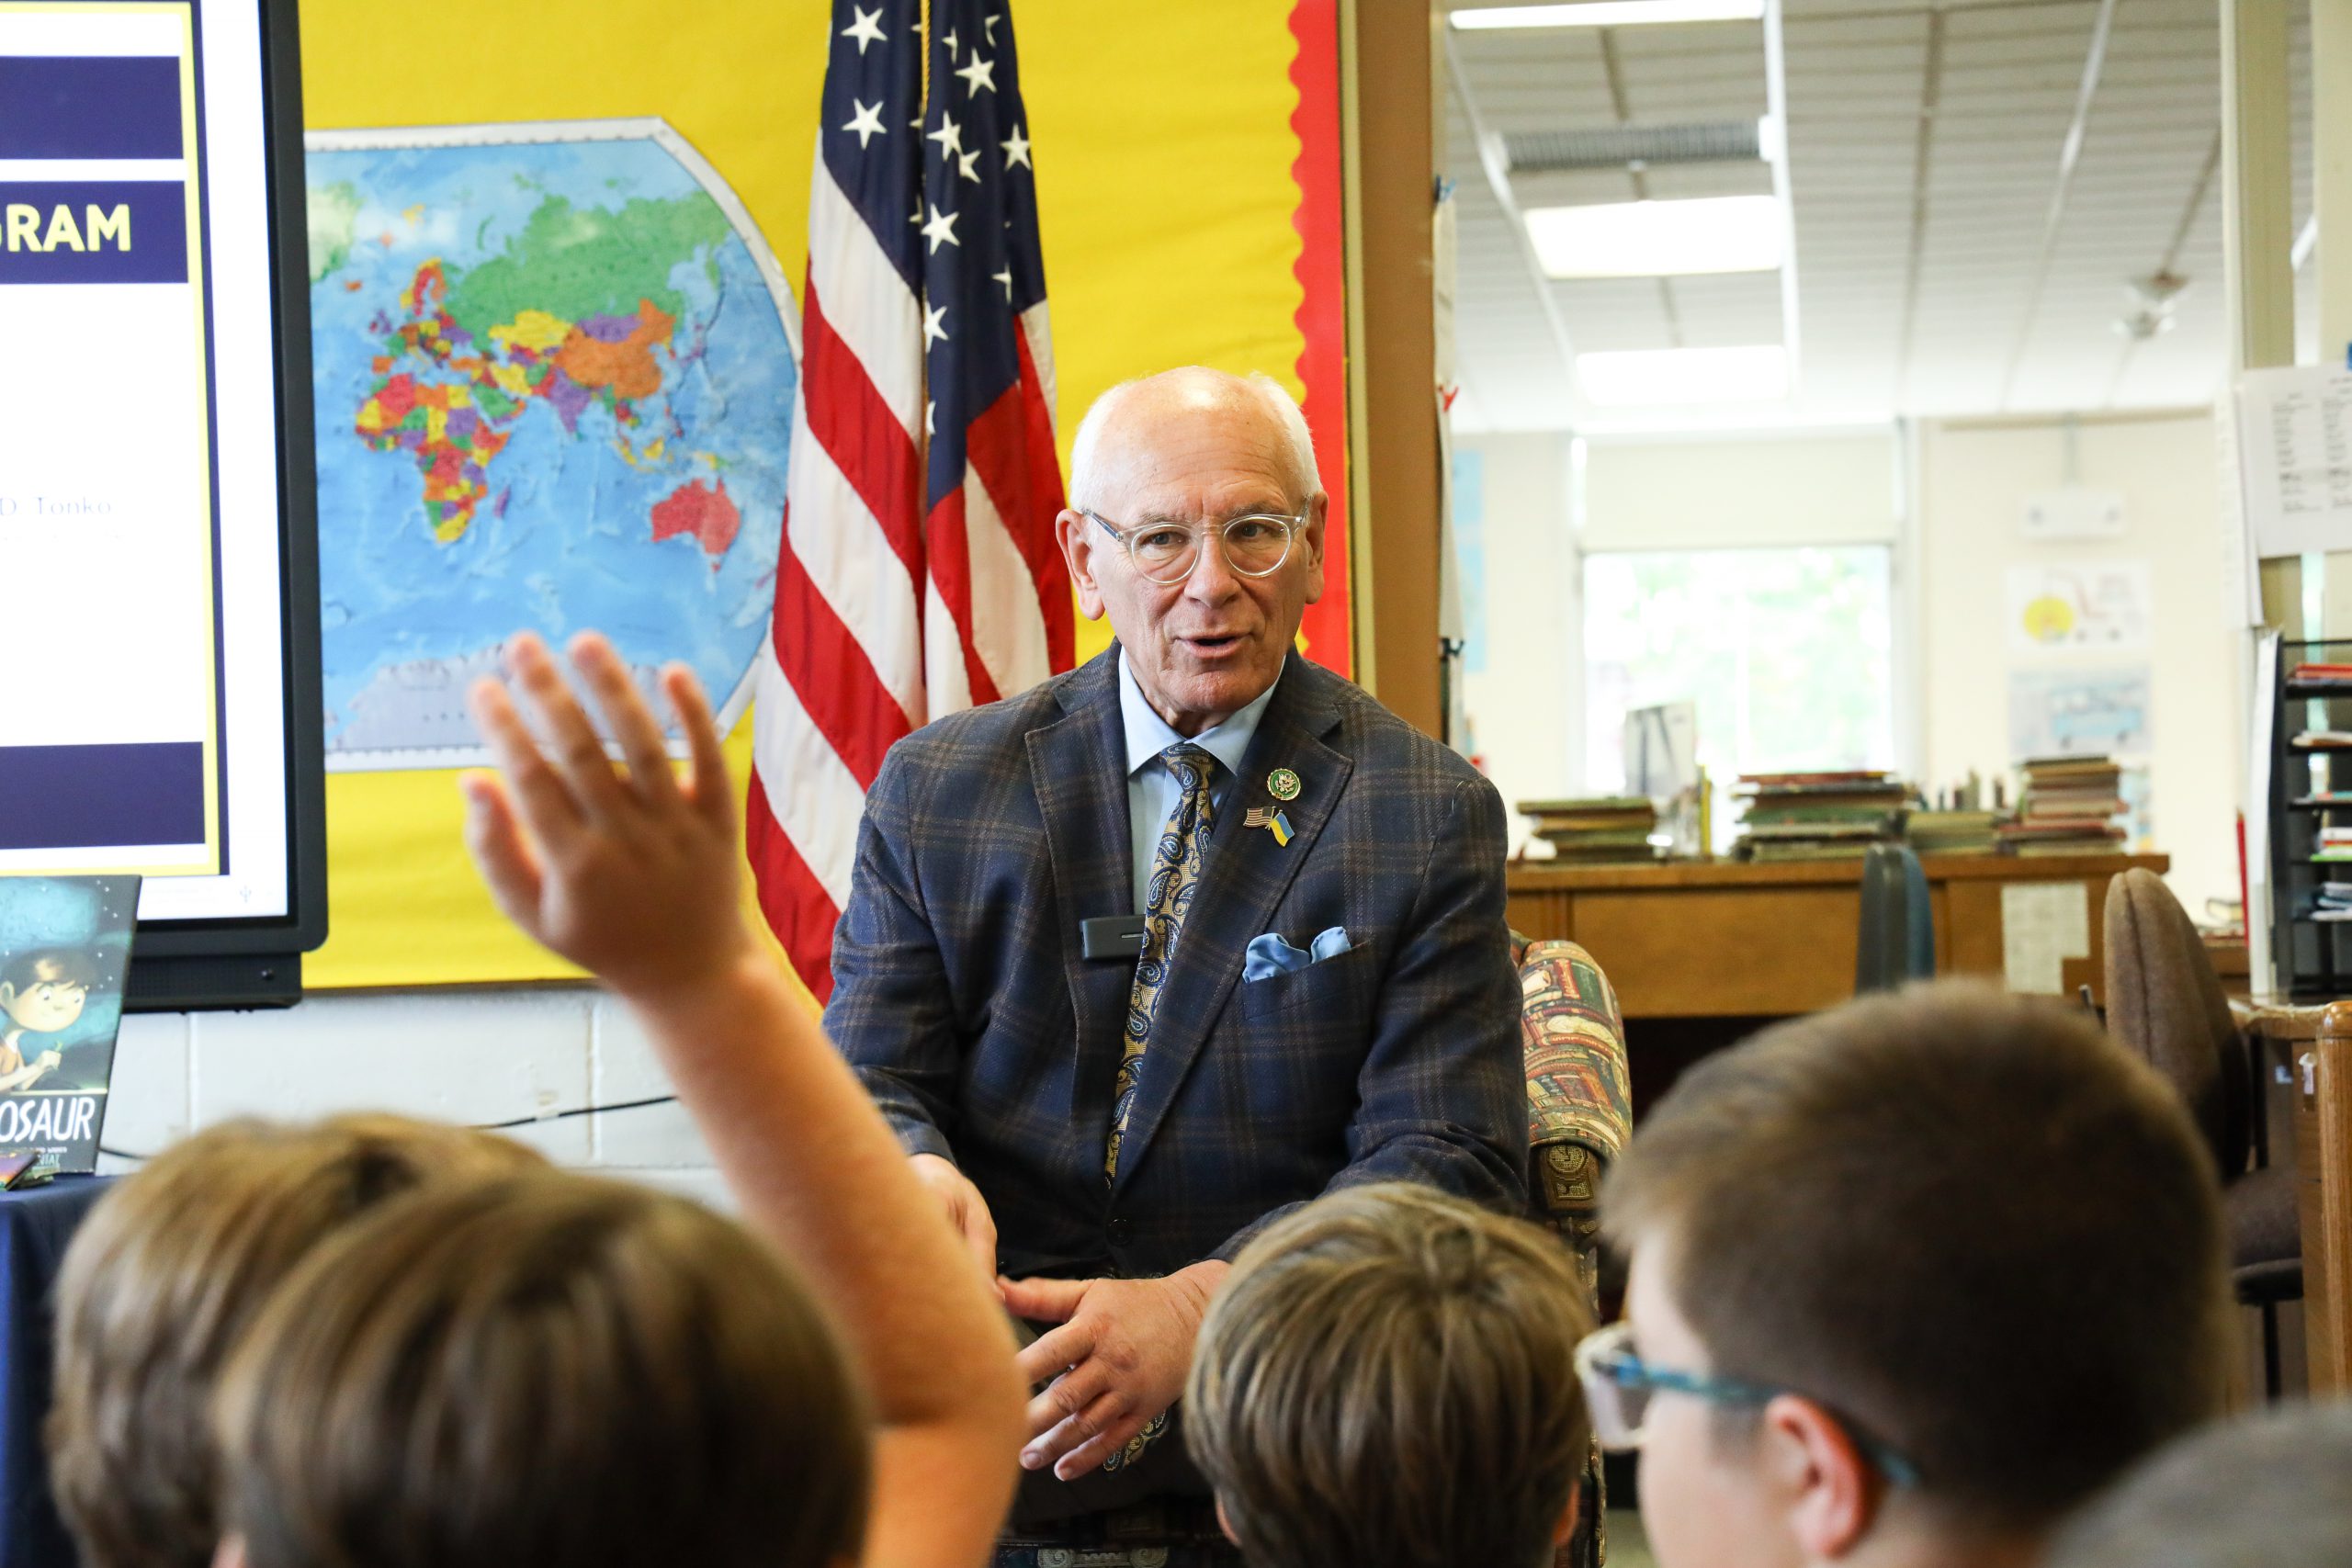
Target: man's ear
(1567, 1525)
(1077, 551)
(1831, 1492)
(1318, 514)
(230, 1553)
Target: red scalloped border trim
(1322, 315)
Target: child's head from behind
(2272, 1490)
(550, 1370)
(1933, 1267)
(164, 1277)
(1388, 1377)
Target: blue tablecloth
(35, 1226)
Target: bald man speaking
(1145, 956)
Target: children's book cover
(65, 949)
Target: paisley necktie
(1175, 870)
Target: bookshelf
(2311, 793)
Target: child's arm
(633, 874)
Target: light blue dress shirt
(1151, 787)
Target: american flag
(919, 573)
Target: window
(1788, 654)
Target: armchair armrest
(1579, 1100)
(1579, 1114)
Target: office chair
(1896, 941)
(2165, 1003)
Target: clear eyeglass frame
(1618, 1386)
(1181, 566)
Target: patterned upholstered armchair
(1579, 1113)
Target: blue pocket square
(1269, 955)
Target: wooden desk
(2323, 1069)
(1734, 939)
(2232, 963)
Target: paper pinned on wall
(2105, 605)
(2295, 450)
(2042, 925)
(1466, 515)
(2240, 582)
(2080, 713)
(2261, 721)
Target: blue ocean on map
(553, 392)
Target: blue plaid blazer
(961, 999)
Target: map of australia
(553, 383)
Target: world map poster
(554, 368)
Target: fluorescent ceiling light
(1610, 14)
(1654, 376)
(1659, 239)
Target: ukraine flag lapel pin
(1272, 820)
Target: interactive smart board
(158, 589)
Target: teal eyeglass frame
(1607, 1357)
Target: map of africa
(553, 389)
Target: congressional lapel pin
(1283, 784)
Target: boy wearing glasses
(1910, 1281)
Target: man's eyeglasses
(1256, 545)
(1618, 1386)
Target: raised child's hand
(626, 871)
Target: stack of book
(1819, 816)
(1955, 832)
(1598, 832)
(2334, 903)
(2333, 677)
(2332, 845)
(2068, 806)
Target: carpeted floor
(1628, 1547)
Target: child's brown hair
(1388, 1380)
(1968, 1222)
(164, 1277)
(553, 1370)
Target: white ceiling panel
(1940, 266)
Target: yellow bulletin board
(1168, 160)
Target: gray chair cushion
(2261, 1210)
(2165, 1003)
